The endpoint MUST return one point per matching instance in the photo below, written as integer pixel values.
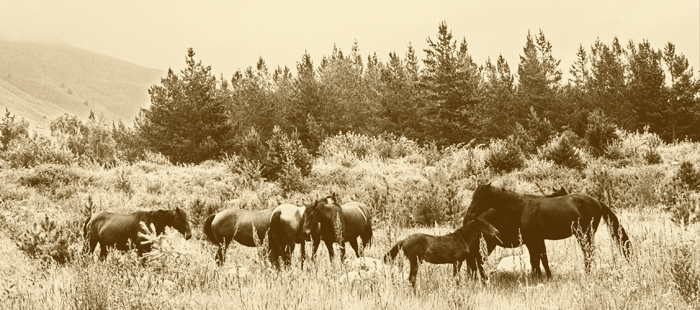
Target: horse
(339, 224)
(283, 225)
(453, 248)
(510, 236)
(539, 218)
(115, 229)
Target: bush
(686, 276)
(504, 156)
(562, 152)
(688, 175)
(271, 155)
(680, 195)
(30, 152)
(48, 242)
(49, 177)
(600, 132)
(536, 132)
(383, 146)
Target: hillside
(41, 81)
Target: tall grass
(407, 192)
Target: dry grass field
(180, 274)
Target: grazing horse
(539, 218)
(114, 229)
(339, 224)
(510, 236)
(453, 248)
(283, 225)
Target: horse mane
(158, 218)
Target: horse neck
(466, 235)
(510, 203)
(338, 217)
(151, 217)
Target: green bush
(688, 175)
(270, 155)
(48, 242)
(49, 177)
(504, 156)
(562, 152)
(600, 132)
(31, 152)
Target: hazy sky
(231, 35)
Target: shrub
(48, 242)
(200, 210)
(562, 152)
(688, 175)
(271, 155)
(31, 152)
(429, 207)
(249, 172)
(291, 179)
(536, 132)
(685, 273)
(600, 132)
(504, 155)
(49, 177)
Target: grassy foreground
(182, 274)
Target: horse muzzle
(188, 235)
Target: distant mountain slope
(42, 81)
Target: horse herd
(502, 217)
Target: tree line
(449, 99)
(444, 99)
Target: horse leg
(329, 247)
(585, 240)
(221, 253)
(414, 270)
(536, 248)
(314, 247)
(289, 253)
(303, 253)
(353, 244)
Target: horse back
(357, 217)
(237, 224)
(114, 229)
(555, 217)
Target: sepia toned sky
(231, 35)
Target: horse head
(325, 210)
(180, 222)
(482, 200)
(479, 227)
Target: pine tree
(682, 108)
(450, 80)
(539, 79)
(499, 98)
(187, 118)
(306, 103)
(606, 85)
(645, 89)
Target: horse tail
(275, 236)
(208, 231)
(86, 235)
(391, 255)
(367, 235)
(617, 232)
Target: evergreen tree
(306, 103)
(499, 98)
(450, 80)
(681, 111)
(187, 118)
(645, 89)
(539, 82)
(399, 98)
(606, 85)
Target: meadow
(409, 188)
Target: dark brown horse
(115, 229)
(453, 248)
(339, 224)
(539, 218)
(510, 236)
(284, 223)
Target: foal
(449, 249)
